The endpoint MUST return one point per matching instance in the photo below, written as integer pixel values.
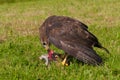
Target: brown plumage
(72, 36)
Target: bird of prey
(71, 36)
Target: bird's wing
(73, 29)
(75, 41)
(79, 51)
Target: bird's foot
(64, 63)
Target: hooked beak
(46, 47)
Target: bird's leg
(64, 60)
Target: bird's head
(45, 43)
(43, 37)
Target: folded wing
(74, 39)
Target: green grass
(20, 46)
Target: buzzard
(71, 36)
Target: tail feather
(105, 49)
(100, 46)
(82, 53)
(89, 56)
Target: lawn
(20, 46)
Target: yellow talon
(64, 61)
(64, 64)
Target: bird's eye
(44, 43)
